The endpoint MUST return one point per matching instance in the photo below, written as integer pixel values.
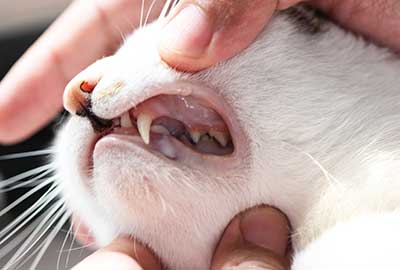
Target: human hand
(212, 31)
(257, 238)
(122, 254)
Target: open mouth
(163, 120)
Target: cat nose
(77, 101)
(77, 97)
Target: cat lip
(215, 101)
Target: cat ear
(368, 242)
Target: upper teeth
(143, 124)
(221, 137)
(126, 120)
(196, 135)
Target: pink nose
(77, 101)
(77, 98)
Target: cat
(306, 119)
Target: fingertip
(266, 227)
(107, 261)
(188, 33)
(259, 237)
(200, 34)
(123, 253)
(135, 250)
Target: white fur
(322, 121)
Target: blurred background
(21, 23)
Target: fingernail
(267, 228)
(189, 33)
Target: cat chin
(170, 209)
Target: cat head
(170, 157)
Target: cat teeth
(196, 135)
(221, 137)
(143, 124)
(126, 121)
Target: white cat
(306, 119)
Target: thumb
(255, 240)
(122, 254)
(200, 33)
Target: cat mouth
(186, 119)
(177, 126)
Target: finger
(377, 20)
(31, 92)
(257, 239)
(198, 34)
(121, 254)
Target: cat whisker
(50, 239)
(141, 14)
(36, 153)
(77, 248)
(41, 248)
(166, 9)
(69, 232)
(24, 175)
(26, 195)
(26, 217)
(52, 216)
(11, 245)
(149, 12)
(29, 183)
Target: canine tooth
(126, 120)
(221, 137)
(196, 135)
(159, 129)
(144, 123)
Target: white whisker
(72, 242)
(24, 175)
(29, 183)
(26, 216)
(29, 243)
(50, 239)
(63, 245)
(26, 195)
(78, 248)
(149, 12)
(165, 9)
(141, 14)
(28, 154)
(6, 249)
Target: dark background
(11, 48)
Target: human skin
(31, 93)
(259, 237)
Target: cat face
(173, 185)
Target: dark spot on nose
(99, 124)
